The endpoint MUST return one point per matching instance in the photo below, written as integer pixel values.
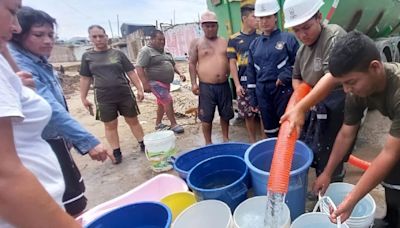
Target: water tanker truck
(379, 19)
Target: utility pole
(112, 34)
(118, 28)
(174, 17)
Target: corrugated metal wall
(178, 38)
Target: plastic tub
(364, 211)
(177, 202)
(222, 178)
(251, 214)
(145, 214)
(315, 220)
(259, 157)
(152, 190)
(207, 213)
(185, 162)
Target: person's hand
(88, 105)
(183, 78)
(321, 183)
(240, 91)
(98, 153)
(296, 120)
(343, 211)
(195, 89)
(140, 95)
(26, 79)
(279, 82)
(146, 87)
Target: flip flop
(178, 129)
(161, 126)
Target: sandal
(161, 126)
(178, 129)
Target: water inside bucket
(220, 179)
(263, 161)
(251, 214)
(315, 220)
(362, 208)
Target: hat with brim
(208, 17)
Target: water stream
(274, 210)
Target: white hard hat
(299, 11)
(264, 8)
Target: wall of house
(179, 37)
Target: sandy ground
(105, 181)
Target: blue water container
(221, 178)
(185, 162)
(137, 215)
(258, 158)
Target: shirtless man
(208, 62)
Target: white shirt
(30, 113)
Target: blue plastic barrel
(222, 178)
(144, 214)
(258, 158)
(185, 162)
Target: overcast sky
(74, 16)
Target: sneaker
(161, 126)
(117, 156)
(178, 129)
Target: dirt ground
(105, 181)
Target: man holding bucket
(369, 83)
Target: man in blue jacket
(269, 72)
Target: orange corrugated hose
(284, 148)
(358, 162)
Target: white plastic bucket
(315, 220)
(160, 146)
(364, 211)
(318, 219)
(207, 213)
(251, 213)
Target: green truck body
(379, 19)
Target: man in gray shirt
(324, 119)
(156, 69)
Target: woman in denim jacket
(31, 49)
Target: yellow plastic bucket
(178, 202)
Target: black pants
(392, 198)
(74, 199)
(320, 130)
(272, 101)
